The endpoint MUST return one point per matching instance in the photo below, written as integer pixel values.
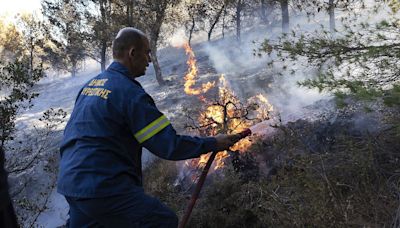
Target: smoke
(295, 102)
(232, 56)
(221, 60)
(178, 39)
(249, 75)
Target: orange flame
(227, 113)
(191, 75)
(220, 157)
(264, 108)
(216, 115)
(242, 146)
(203, 160)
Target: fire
(220, 159)
(216, 113)
(242, 146)
(227, 114)
(263, 107)
(191, 75)
(203, 160)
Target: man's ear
(131, 52)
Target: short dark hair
(126, 38)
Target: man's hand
(226, 141)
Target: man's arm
(154, 132)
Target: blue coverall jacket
(112, 120)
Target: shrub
(350, 180)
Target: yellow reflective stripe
(151, 125)
(152, 129)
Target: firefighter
(113, 119)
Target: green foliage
(334, 189)
(394, 5)
(53, 118)
(67, 34)
(392, 97)
(340, 100)
(33, 31)
(15, 82)
(361, 60)
(158, 181)
(11, 42)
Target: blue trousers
(131, 210)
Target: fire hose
(200, 183)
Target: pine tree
(363, 61)
(67, 33)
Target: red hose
(200, 183)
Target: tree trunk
(215, 22)
(238, 19)
(223, 23)
(32, 47)
(154, 34)
(103, 55)
(285, 16)
(129, 13)
(103, 51)
(156, 65)
(332, 16)
(191, 30)
(74, 69)
(7, 214)
(264, 12)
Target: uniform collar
(117, 66)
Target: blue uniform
(101, 150)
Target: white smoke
(178, 39)
(246, 70)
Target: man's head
(131, 48)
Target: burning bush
(228, 115)
(224, 114)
